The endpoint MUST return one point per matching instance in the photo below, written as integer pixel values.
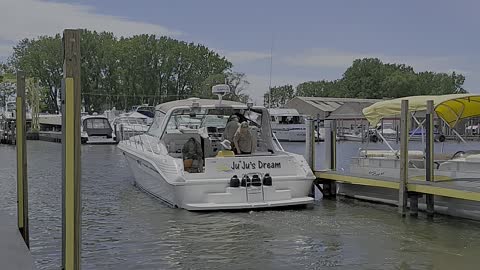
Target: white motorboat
(96, 129)
(288, 125)
(461, 169)
(215, 179)
(131, 124)
(146, 110)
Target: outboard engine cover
(234, 181)
(267, 180)
(256, 182)
(245, 181)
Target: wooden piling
(310, 148)
(330, 187)
(402, 191)
(429, 157)
(71, 101)
(21, 140)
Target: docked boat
(131, 124)
(96, 129)
(288, 125)
(184, 159)
(461, 169)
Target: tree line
(125, 71)
(371, 78)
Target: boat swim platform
(14, 254)
(469, 190)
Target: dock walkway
(461, 188)
(14, 254)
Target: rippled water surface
(124, 228)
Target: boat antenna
(270, 83)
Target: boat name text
(249, 165)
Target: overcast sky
(312, 40)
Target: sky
(310, 40)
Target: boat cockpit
(203, 129)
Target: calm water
(123, 228)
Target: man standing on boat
(230, 129)
(243, 140)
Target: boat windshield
(96, 123)
(217, 118)
(148, 111)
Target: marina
(125, 228)
(206, 182)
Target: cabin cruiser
(461, 169)
(185, 161)
(288, 125)
(96, 129)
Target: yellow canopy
(451, 108)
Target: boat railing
(278, 142)
(134, 136)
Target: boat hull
(205, 194)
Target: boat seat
(175, 142)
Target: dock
(380, 180)
(14, 254)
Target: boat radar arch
(220, 90)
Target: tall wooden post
(71, 101)
(22, 179)
(402, 191)
(310, 142)
(429, 175)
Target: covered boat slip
(446, 183)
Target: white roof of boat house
(283, 112)
(323, 107)
(165, 107)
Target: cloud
(5, 51)
(241, 57)
(31, 18)
(332, 58)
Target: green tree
(371, 78)
(278, 96)
(126, 71)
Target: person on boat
(231, 128)
(243, 140)
(192, 155)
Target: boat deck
(460, 188)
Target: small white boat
(288, 125)
(215, 179)
(96, 129)
(352, 136)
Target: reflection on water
(124, 228)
